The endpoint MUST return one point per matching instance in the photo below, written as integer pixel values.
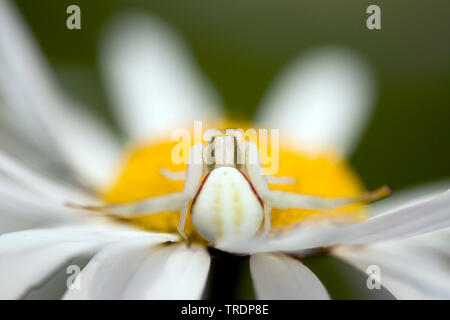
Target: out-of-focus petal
(26, 269)
(87, 144)
(40, 184)
(322, 101)
(411, 219)
(15, 216)
(150, 79)
(413, 268)
(409, 196)
(30, 92)
(140, 270)
(27, 258)
(280, 277)
(408, 220)
(299, 239)
(22, 209)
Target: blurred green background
(242, 45)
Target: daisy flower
(52, 153)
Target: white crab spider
(233, 198)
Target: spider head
(223, 149)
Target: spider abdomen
(226, 208)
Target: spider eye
(237, 134)
(211, 134)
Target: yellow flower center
(320, 175)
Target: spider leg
(173, 175)
(182, 222)
(285, 200)
(267, 224)
(171, 202)
(279, 180)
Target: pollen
(323, 175)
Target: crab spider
(233, 198)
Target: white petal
(414, 268)
(300, 238)
(11, 221)
(30, 90)
(277, 276)
(144, 271)
(109, 272)
(321, 101)
(409, 196)
(151, 81)
(23, 270)
(27, 258)
(87, 145)
(21, 209)
(407, 220)
(39, 184)
(184, 275)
